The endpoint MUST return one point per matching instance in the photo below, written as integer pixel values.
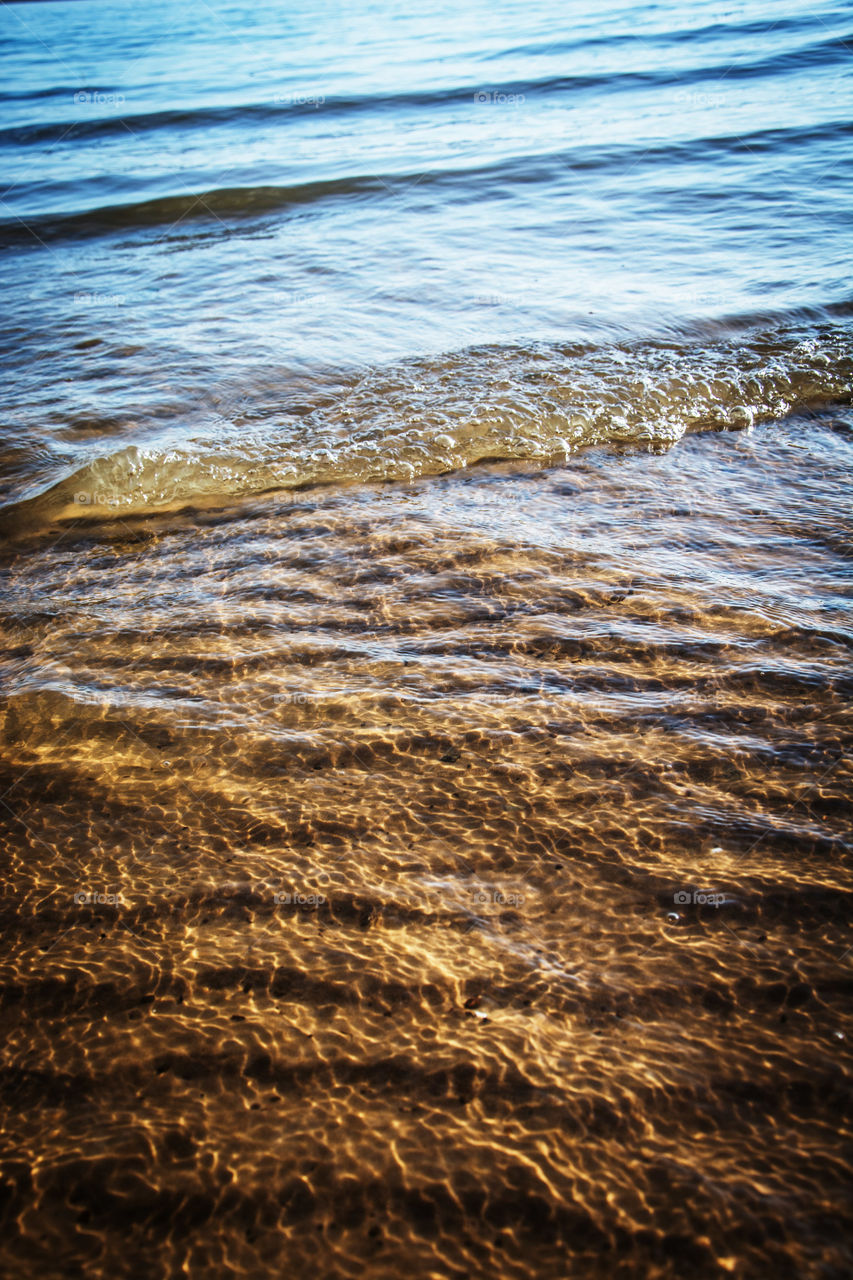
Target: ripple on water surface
(449, 879)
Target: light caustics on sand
(448, 879)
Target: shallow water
(425, 643)
(507, 727)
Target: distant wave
(824, 53)
(470, 181)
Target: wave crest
(430, 416)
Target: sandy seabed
(445, 880)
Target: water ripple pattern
(425, 641)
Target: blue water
(210, 214)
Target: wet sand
(553, 768)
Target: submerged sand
(448, 880)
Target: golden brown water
(498, 727)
